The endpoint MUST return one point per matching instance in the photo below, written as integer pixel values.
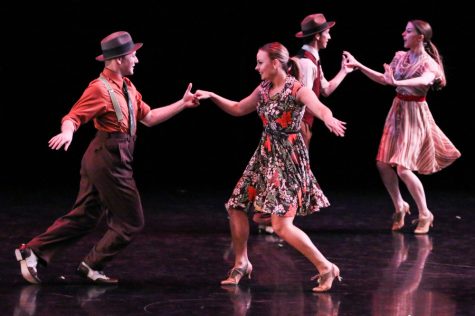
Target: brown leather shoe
(94, 276)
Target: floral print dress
(278, 179)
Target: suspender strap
(310, 56)
(308, 118)
(317, 80)
(118, 111)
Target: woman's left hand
(336, 126)
(389, 75)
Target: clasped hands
(193, 99)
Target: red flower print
(292, 138)
(285, 119)
(264, 120)
(267, 143)
(251, 193)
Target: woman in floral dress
(411, 141)
(278, 179)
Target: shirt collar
(311, 50)
(115, 77)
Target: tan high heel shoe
(398, 217)
(236, 274)
(423, 224)
(325, 281)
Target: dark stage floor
(175, 265)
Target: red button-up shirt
(95, 103)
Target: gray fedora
(117, 44)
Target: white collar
(311, 50)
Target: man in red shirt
(107, 187)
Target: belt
(115, 135)
(280, 132)
(417, 98)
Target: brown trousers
(107, 188)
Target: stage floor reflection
(175, 265)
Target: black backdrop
(47, 59)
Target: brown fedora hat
(117, 44)
(313, 24)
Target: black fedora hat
(313, 24)
(117, 44)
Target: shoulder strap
(302, 53)
(118, 111)
(310, 56)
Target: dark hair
(424, 28)
(308, 39)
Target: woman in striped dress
(411, 141)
